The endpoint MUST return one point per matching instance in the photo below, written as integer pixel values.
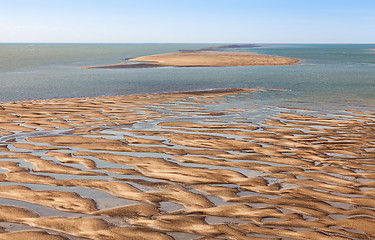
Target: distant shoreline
(225, 47)
(203, 59)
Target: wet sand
(172, 166)
(203, 59)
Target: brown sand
(126, 167)
(205, 59)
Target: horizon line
(186, 43)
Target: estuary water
(330, 75)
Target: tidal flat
(175, 166)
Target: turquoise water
(331, 75)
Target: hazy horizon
(193, 21)
(286, 43)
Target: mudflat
(204, 59)
(172, 166)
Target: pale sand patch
(43, 165)
(34, 147)
(12, 166)
(14, 127)
(206, 59)
(6, 132)
(139, 210)
(94, 228)
(133, 140)
(65, 201)
(30, 235)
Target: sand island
(203, 59)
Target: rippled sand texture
(173, 166)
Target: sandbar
(203, 59)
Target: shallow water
(335, 74)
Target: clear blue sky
(185, 21)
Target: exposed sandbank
(204, 59)
(172, 166)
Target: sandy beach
(203, 59)
(139, 167)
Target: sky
(187, 21)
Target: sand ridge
(173, 166)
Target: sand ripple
(172, 166)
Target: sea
(330, 76)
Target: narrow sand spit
(204, 59)
(174, 166)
